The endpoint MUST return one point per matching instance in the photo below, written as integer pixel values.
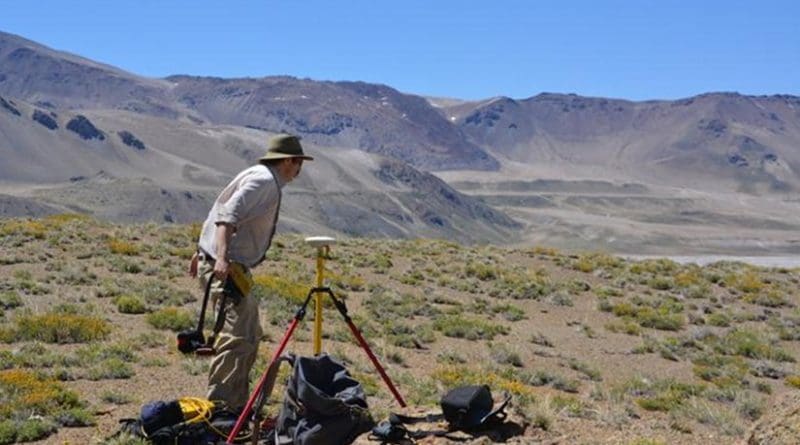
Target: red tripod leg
(375, 362)
(340, 306)
(269, 373)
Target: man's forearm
(223, 235)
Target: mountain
(128, 166)
(713, 173)
(722, 141)
(374, 118)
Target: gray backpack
(322, 405)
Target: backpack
(470, 407)
(323, 404)
(184, 421)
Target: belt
(203, 255)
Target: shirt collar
(275, 175)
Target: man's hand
(221, 269)
(193, 265)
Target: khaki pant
(236, 344)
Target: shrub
(793, 380)
(10, 300)
(481, 271)
(121, 247)
(24, 392)
(29, 228)
(84, 128)
(44, 119)
(75, 417)
(112, 368)
(35, 429)
(509, 312)
(130, 140)
(750, 344)
(171, 318)
(722, 371)
(117, 398)
(61, 328)
(650, 318)
(771, 298)
(122, 265)
(541, 340)
(8, 432)
(660, 395)
(128, 304)
(504, 355)
(718, 319)
(592, 373)
(625, 327)
(708, 413)
(470, 328)
(272, 286)
(592, 261)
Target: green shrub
(481, 271)
(509, 312)
(625, 327)
(171, 318)
(592, 373)
(470, 328)
(112, 368)
(718, 319)
(650, 318)
(123, 265)
(8, 432)
(10, 300)
(504, 355)
(661, 395)
(35, 429)
(75, 417)
(750, 344)
(117, 398)
(128, 304)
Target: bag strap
(400, 419)
(207, 293)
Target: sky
(637, 50)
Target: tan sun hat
(284, 146)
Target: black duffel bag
(323, 404)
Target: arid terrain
(593, 349)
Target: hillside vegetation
(593, 348)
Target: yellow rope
(196, 409)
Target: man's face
(290, 168)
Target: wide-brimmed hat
(285, 146)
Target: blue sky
(464, 49)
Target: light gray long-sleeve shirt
(250, 203)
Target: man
(234, 239)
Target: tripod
(266, 383)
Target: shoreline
(789, 261)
